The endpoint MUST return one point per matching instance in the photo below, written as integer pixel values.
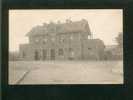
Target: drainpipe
(81, 48)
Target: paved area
(66, 72)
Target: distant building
(13, 56)
(62, 41)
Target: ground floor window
(44, 54)
(70, 49)
(60, 52)
(23, 54)
(71, 54)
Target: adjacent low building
(71, 40)
(113, 52)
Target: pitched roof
(98, 43)
(68, 27)
(36, 30)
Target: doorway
(52, 54)
(36, 57)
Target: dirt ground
(66, 72)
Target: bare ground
(66, 72)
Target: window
(79, 37)
(89, 48)
(62, 39)
(36, 55)
(70, 49)
(23, 54)
(71, 53)
(44, 54)
(53, 39)
(52, 54)
(60, 52)
(44, 40)
(36, 40)
(71, 37)
(89, 36)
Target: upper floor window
(36, 40)
(72, 53)
(89, 36)
(62, 39)
(53, 39)
(70, 49)
(79, 36)
(71, 37)
(89, 48)
(44, 40)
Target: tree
(119, 40)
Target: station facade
(71, 40)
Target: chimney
(68, 20)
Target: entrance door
(44, 54)
(52, 54)
(36, 57)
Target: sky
(105, 24)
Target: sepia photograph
(65, 46)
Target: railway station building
(71, 40)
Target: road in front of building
(66, 72)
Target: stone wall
(66, 41)
(75, 46)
